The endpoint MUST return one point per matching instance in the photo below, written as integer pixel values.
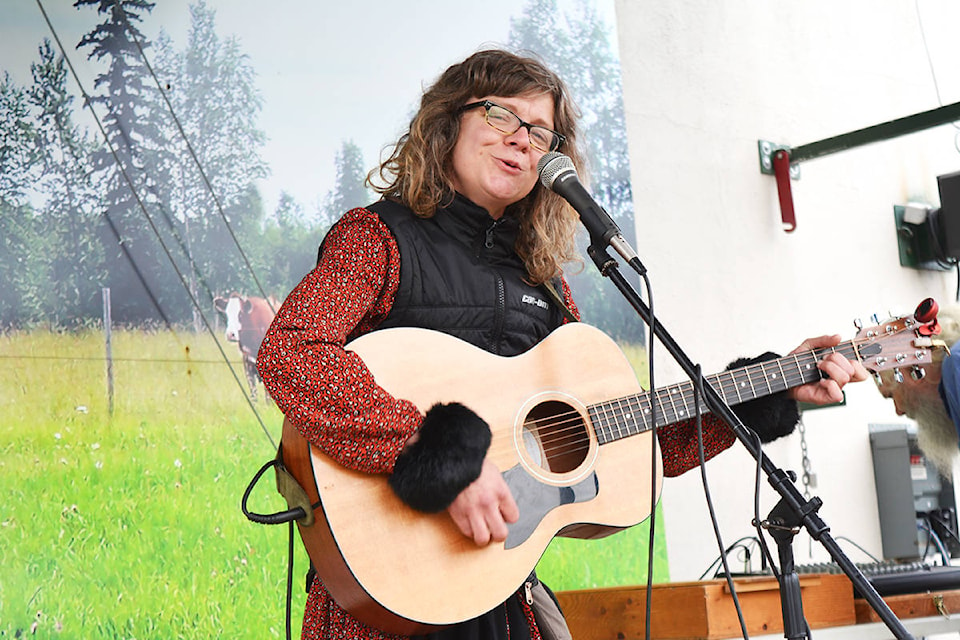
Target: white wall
(703, 82)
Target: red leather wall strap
(781, 168)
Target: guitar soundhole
(555, 436)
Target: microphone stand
(792, 510)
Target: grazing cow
(247, 321)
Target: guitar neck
(630, 415)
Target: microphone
(558, 174)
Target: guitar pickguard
(536, 499)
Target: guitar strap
(546, 611)
(552, 290)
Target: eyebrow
(513, 108)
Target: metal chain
(809, 477)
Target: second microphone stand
(792, 510)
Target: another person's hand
(483, 510)
(838, 369)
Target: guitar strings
(574, 416)
(568, 432)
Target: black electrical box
(918, 237)
(948, 217)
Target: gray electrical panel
(915, 502)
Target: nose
(896, 406)
(519, 137)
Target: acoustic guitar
(572, 435)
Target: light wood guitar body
(571, 434)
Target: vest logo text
(528, 299)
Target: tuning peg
(897, 376)
(927, 311)
(917, 372)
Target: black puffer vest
(459, 274)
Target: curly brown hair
(419, 170)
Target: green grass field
(129, 525)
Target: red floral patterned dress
(332, 397)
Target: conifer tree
(578, 47)
(73, 262)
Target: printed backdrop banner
(159, 157)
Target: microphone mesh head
(552, 165)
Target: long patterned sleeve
(678, 443)
(325, 390)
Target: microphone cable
(651, 382)
(698, 412)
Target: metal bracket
(795, 155)
(767, 149)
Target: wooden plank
(703, 610)
(912, 605)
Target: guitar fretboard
(630, 415)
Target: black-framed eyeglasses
(506, 121)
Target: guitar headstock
(902, 342)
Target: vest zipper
(501, 311)
(488, 242)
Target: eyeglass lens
(505, 121)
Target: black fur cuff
(771, 417)
(444, 460)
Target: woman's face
(495, 169)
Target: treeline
(157, 199)
(577, 45)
